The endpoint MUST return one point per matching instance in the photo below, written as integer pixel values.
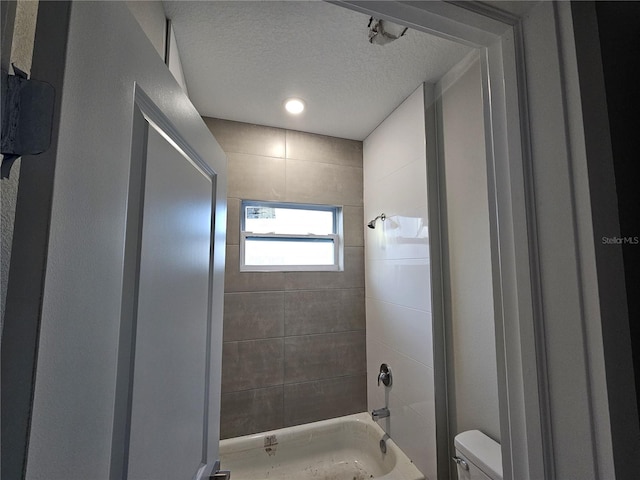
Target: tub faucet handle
(385, 375)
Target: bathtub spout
(380, 413)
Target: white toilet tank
(478, 457)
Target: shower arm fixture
(372, 223)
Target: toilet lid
(484, 452)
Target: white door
(168, 410)
(127, 383)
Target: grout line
(325, 289)
(284, 363)
(283, 384)
(286, 167)
(286, 134)
(296, 291)
(348, 375)
(325, 163)
(252, 155)
(339, 332)
(277, 385)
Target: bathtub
(344, 448)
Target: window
(289, 237)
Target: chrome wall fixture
(382, 32)
(385, 375)
(372, 223)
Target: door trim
(531, 345)
(147, 115)
(522, 398)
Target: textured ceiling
(241, 59)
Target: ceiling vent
(382, 32)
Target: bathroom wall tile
(402, 192)
(397, 280)
(314, 357)
(415, 436)
(313, 182)
(354, 226)
(323, 311)
(252, 364)
(250, 316)
(396, 141)
(410, 402)
(401, 328)
(405, 391)
(320, 148)
(251, 411)
(322, 399)
(403, 282)
(351, 277)
(318, 304)
(233, 221)
(238, 137)
(377, 354)
(402, 196)
(236, 281)
(256, 177)
(397, 238)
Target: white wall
(469, 313)
(397, 274)
(174, 62)
(151, 18)
(150, 15)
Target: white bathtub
(345, 448)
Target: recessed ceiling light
(294, 106)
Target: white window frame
(335, 238)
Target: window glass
(286, 236)
(276, 251)
(287, 220)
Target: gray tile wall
(294, 342)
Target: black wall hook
(27, 117)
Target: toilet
(477, 456)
